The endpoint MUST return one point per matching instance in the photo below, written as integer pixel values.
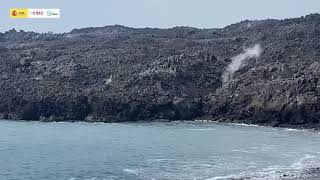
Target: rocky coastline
(121, 74)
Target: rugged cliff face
(115, 73)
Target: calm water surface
(169, 151)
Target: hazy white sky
(152, 13)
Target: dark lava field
(120, 74)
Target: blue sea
(155, 151)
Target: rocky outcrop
(115, 73)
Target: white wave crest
(294, 171)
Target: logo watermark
(18, 13)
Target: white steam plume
(240, 60)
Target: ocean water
(146, 151)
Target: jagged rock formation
(115, 73)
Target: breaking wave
(304, 168)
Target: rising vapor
(240, 60)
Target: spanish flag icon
(19, 13)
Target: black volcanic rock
(116, 73)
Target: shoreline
(288, 127)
